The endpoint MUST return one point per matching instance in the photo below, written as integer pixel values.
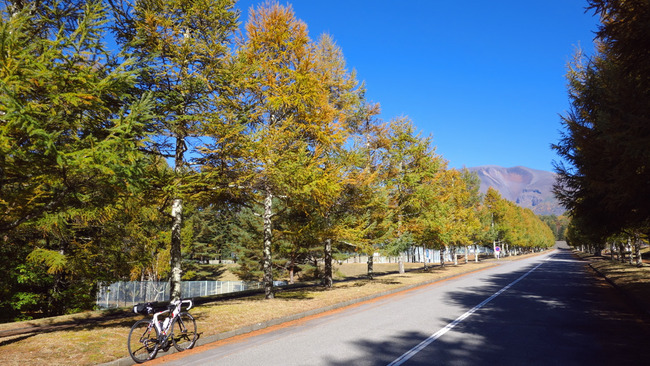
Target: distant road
(545, 310)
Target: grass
(632, 280)
(101, 336)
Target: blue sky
(484, 78)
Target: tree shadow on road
(559, 314)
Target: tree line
(604, 178)
(190, 139)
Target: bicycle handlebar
(189, 302)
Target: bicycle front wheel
(143, 341)
(184, 331)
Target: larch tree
(347, 97)
(603, 178)
(461, 199)
(287, 121)
(365, 220)
(70, 134)
(181, 46)
(410, 164)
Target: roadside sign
(497, 249)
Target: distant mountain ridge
(528, 188)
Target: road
(545, 310)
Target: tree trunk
(401, 264)
(177, 224)
(637, 249)
(621, 256)
(466, 254)
(291, 271)
(476, 253)
(267, 265)
(454, 251)
(424, 256)
(175, 251)
(630, 249)
(442, 256)
(327, 276)
(370, 265)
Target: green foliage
(516, 226)
(605, 144)
(558, 225)
(291, 167)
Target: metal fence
(123, 294)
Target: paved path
(545, 310)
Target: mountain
(528, 188)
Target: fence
(123, 294)
(420, 255)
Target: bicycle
(147, 337)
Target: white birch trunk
(267, 261)
(327, 278)
(175, 250)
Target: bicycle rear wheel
(184, 331)
(143, 341)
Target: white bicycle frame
(177, 309)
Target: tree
(286, 120)
(558, 224)
(348, 100)
(410, 168)
(68, 122)
(70, 160)
(181, 46)
(365, 220)
(604, 183)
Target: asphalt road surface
(546, 310)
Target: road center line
(413, 351)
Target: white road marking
(413, 351)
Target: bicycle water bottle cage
(146, 308)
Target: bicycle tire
(184, 334)
(143, 341)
